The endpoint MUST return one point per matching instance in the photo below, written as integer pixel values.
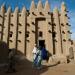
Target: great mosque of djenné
(23, 29)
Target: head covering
(35, 45)
(34, 49)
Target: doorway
(42, 43)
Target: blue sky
(69, 3)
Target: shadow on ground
(23, 66)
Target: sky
(69, 4)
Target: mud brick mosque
(23, 29)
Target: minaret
(2, 20)
(47, 6)
(57, 38)
(48, 26)
(32, 7)
(30, 31)
(7, 26)
(21, 43)
(14, 29)
(64, 29)
(3, 35)
(39, 6)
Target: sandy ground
(25, 68)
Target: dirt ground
(25, 68)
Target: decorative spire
(16, 9)
(55, 9)
(63, 6)
(23, 9)
(63, 3)
(32, 8)
(39, 6)
(47, 6)
(3, 8)
(9, 9)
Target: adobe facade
(23, 29)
